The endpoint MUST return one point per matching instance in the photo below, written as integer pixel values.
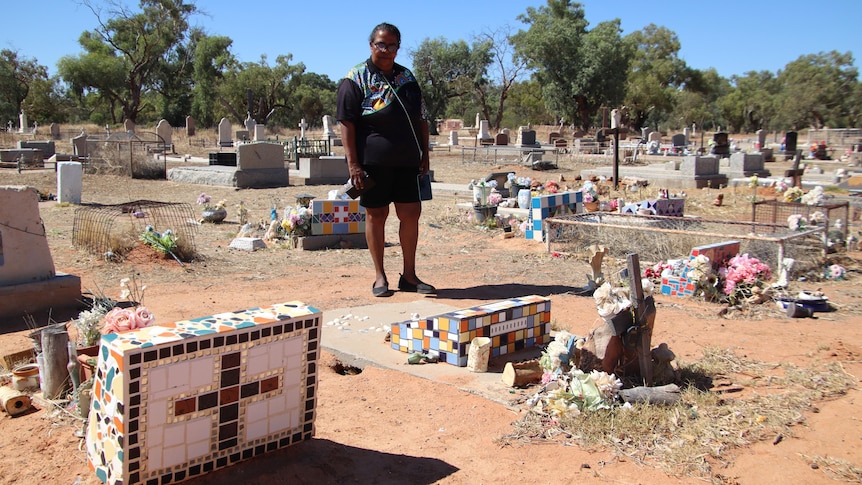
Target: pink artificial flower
(144, 316)
(119, 320)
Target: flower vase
(213, 215)
(482, 213)
(85, 354)
(480, 194)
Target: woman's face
(384, 58)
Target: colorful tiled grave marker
(175, 401)
(544, 206)
(337, 217)
(717, 253)
(512, 325)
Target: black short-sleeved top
(383, 135)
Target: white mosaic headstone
(70, 182)
(259, 132)
(224, 133)
(129, 126)
(453, 138)
(22, 122)
(166, 131)
(328, 126)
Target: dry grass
(705, 428)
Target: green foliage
(813, 90)
(579, 70)
(18, 77)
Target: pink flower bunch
(552, 187)
(656, 270)
(124, 319)
(743, 269)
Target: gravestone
(69, 182)
(28, 281)
(699, 166)
(79, 146)
(224, 133)
(47, 147)
(553, 136)
(259, 132)
(477, 121)
(166, 131)
(645, 133)
(190, 126)
(654, 136)
(501, 139)
(721, 144)
(761, 140)
(329, 126)
(261, 164)
(323, 170)
(453, 138)
(129, 126)
(678, 140)
(249, 123)
(686, 132)
(302, 126)
(790, 140)
(22, 122)
(527, 137)
(748, 164)
(55, 131)
(484, 136)
(241, 135)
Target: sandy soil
(384, 426)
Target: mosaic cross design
(228, 399)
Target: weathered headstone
(259, 132)
(761, 140)
(686, 132)
(527, 137)
(501, 139)
(645, 133)
(190, 126)
(790, 139)
(22, 122)
(55, 131)
(47, 147)
(166, 131)
(678, 140)
(79, 146)
(654, 136)
(224, 133)
(129, 126)
(261, 164)
(721, 144)
(453, 138)
(249, 123)
(484, 135)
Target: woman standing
(384, 130)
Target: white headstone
(616, 118)
(259, 132)
(249, 123)
(687, 133)
(302, 126)
(166, 131)
(453, 138)
(477, 120)
(328, 124)
(22, 122)
(224, 130)
(70, 176)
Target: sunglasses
(393, 48)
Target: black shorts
(391, 185)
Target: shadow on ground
(510, 290)
(321, 461)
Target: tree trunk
(55, 358)
(520, 374)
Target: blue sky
(329, 37)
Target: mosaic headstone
(177, 401)
(337, 217)
(544, 206)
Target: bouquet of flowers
(106, 316)
(814, 196)
(297, 221)
(590, 192)
(796, 222)
(494, 198)
(743, 273)
(793, 194)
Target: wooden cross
(644, 317)
(795, 173)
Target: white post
(302, 126)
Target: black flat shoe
(421, 288)
(381, 291)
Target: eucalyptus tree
(814, 89)
(271, 89)
(580, 70)
(18, 77)
(448, 70)
(126, 51)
